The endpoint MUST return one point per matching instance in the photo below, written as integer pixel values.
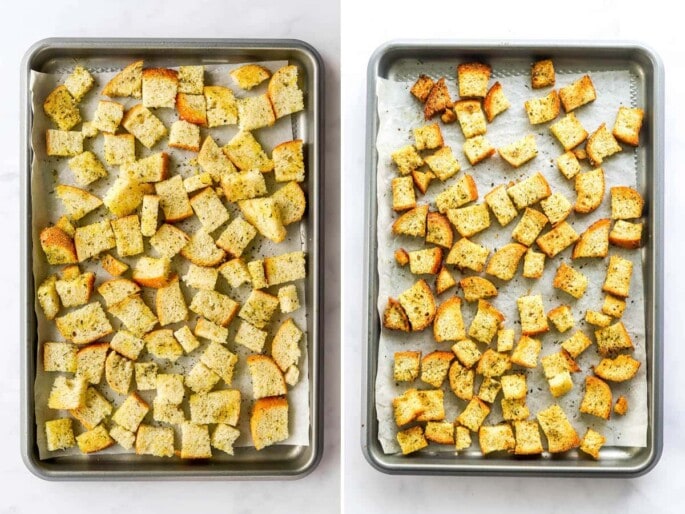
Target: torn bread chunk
(471, 118)
(578, 93)
(85, 324)
(201, 379)
(496, 438)
(127, 344)
(460, 193)
(257, 275)
(570, 281)
(163, 345)
(470, 220)
(478, 149)
(561, 436)
(568, 165)
(543, 109)
(248, 76)
(432, 403)
(556, 207)
(428, 137)
(533, 264)
(66, 226)
(128, 82)
(58, 247)
(192, 108)
(90, 362)
(475, 288)
(443, 163)
(222, 108)
(236, 237)
(597, 400)
(422, 87)
(77, 202)
(108, 116)
(145, 126)
(613, 339)
(170, 304)
(519, 152)
(576, 344)
(626, 235)
(493, 364)
(467, 254)
(67, 393)
(63, 143)
(472, 79)
(486, 322)
(505, 261)
(529, 227)
(411, 440)
(425, 261)
(542, 74)
(526, 352)
(128, 236)
(532, 314)
(259, 308)
(195, 441)
(250, 337)
(264, 215)
(505, 340)
(209, 209)
(569, 131)
(562, 318)
(61, 108)
(75, 291)
(501, 205)
(116, 290)
(438, 99)
(152, 272)
(628, 124)
(440, 432)
(286, 96)
(118, 372)
(154, 168)
(592, 442)
(59, 357)
(495, 102)
(467, 352)
(215, 306)
(185, 135)
(287, 267)
(618, 277)
(59, 434)
(461, 380)
(529, 191)
(94, 440)
(243, 185)
(125, 196)
(155, 441)
(558, 239)
(514, 386)
(224, 437)
(135, 315)
(395, 317)
(79, 82)
(407, 159)
(620, 369)
(255, 112)
(626, 203)
(214, 161)
(174, 199)
(601, 144)
(160, 86)
(191, 79)
(267, 378)
(200, 277)
(448, 324)
(146, 375)
(594, 242)
(87, 168)
(419, 304)
(514, 410)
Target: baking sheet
(398, 113)
(48, 171)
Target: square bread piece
(160, 86)
(195, 442)
(255, 112)
(542, 74)
(249, 75)
(174, 199)
(63, 143)
(191, 79)
(215, 407)
(628, 124)
(119, 149)
(192, 108)
(236, 273)
(288, 299)
(519, 152)
(145, 126)
(209, 209)
(146, 375)
(568, 165)
(472, 79)
(156, 441)
(222, 108)
(495, 102)
(471, 118)
(59, 357)
(286, 96)
(59, 434)
(428, 137)
(478, 149)
(269, 421)
(223, 438)
(79, 82)
(185, 135)
(67, 393)
(543, 109)
(61, 108)
(87, 168)
(569, 131)
(108, 116)
(577, 93)
(94, 440)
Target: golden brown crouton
(470, 220)
(422, 87)
(529, 227)
(542, 74)
(496, 438)
(519, 152)
(489, 389)
(590, 189)
(495, 102)
(434, 367)
(526, 352)
(562, 318)
(401, 256)
(419, 304)
(569, 131)
(626, 235)
(426, 261)
(461, 380)
(474, 414)
(486, 323)
(505, 340)
(529, 191)
(407, 159)
(601, 144)
(443, 163)
(576, 344)
(428, 137)
(628, 124)
(473, 79)
(594, 242)
(476, 288)
(621, 406)
(438, 99)
(403, 196)
(577, 93)
(493, 364)
(568, 165)
(597, 399)
(462, 438)
(460, 193)
(467, 254)
(626, 203)
(478, 149)
(619, 274)
(597, 319)
(532, 314)
(613, 339)
(570, 280)
(613, 306)
(501, 205)
(439, 230)
(406, 366)
(592, 442)
(533, 264)
(412, 222)
(448, 324)
(620, 369)
(528, 440)
(561, 436)
(441, 432)
(505, 261)
(542, 109)
(61, 108)
(422, 180)
(444, 281)
(411, 440)
(471, 118)
(558, 239)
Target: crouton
(185, 135)
(496, 439)
(195, 441)
(471, 118)
(560, 384)
(562, 318)
(58, 246)
(529, 227)
(201, 250)
(191, 79)
(407, 159)
(461, 380)
(467, 352)
(577, 93)
(620, 369)
(127, 344)
(113, 266)
(249, 75)
(495, 102)
(87, 168)
(90, 362)
(561, 436)
(443, 163)
(594, 242)
(63, 143)
(425, 261)
(169, 240)
(619, 274)
(264, 215)
(94, 440)
(214, 306)
(601, 144)
(621, 406)
(118, 372)
(160, 86)
(527, 437)
(135, 315)
(412, 222)
(285, 94)
(474, 414)
(166, 412)
(403, 196)
(186, 339)
(255, 112)
(246, 153)
(626, 235)
(422, 87)
(434, 367)
(208, 330)
(476, 288)
(580, 153)
(171, 306)
(628, 124)
(79, 82)
(439, 230)
(576, 344)
(514, 386)
(258, 308)
(597, 399)
(556, 207)
(108, 116)
(173, 199)
(59, 434)
(235, 272)
(613, 339)
(156, 441)
(542, 74)
(473, 79)
(478, 149)
(529, 191)
(558, 239)
(519, 152)
(128, 82)
(613, 306)
(419, 305)
(119, 149)
(504, 262)
(269, 421)
(75, 290)
(143, 125)
(526, 352)
(432, 403)
(267, 378)
(163, 345)
(570, 281)
(64, 224)
(441, 432)
(532, 314)
(214, 161)
(597, 319)
(152, 272)
(192, 108)
(493, 364)
(444, 281)
(236, 237)
(556, 363)
(61, 108)
(501, 205)
(568, 165)
(146, 375)
(59, 357)
(462, 438)
(215, 407)
(209, 209)
(590, 189)
(569, 131)
(201, 379)
(129, 238)
(257, 274)
(222, 108)
(626, 203)
(67, 393)
(250, 337)
(199, 277)
(467, 254)
(411, 440)
(125, 195)
(85, 324)
(486, 322)
(406, 366)
(543, 109)
(223, 438)
(505, 340)
(592, 442)
(448, 324)
(470, 220)
(460, 193)
(428, 137)
(291, 202)
(514, 409)
(438, 99)
(285, 348)
(286, 267)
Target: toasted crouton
(257, 275)
(467, 352)
(223, 438)
(173, 199)
(594, 242)
(191, 79)
(619, 273)
(533, 264)
(529, 191)
(532, 314)
(59, 434)
(77, 202)
(259, 308)
(613, 339)
(119, 372)
(250, 337)
(171, 305)
(460, 193)
(236, 237)
(67, 393)
(90, 240)
(406, 366)
(529, 227)
(626, 203)
(505, 340)
(438, 99)
(128, 82)
(543, 109)
(255, 112)
(496, 438)
(628, 124)
(434, 367)
(428, 137)
(561, 436)
(592, 442)
(542, 74)
(222, 108)
(135, 315)
(569, 131)
(443, 163)
(108, 116)
(160, 86)
(63, 143)
(76, 290)
(476, 288)
(209, 209)
(85, 324)
(64, 224)
(461, 380)
(246, 153)
(601, 144)
(478, 149)
(156, 441)
(495, 102)
(448, 324)
(467, 254)
(444, 281)
(214, 161)
(186, 339)
(597, 399)
(412, 222)
(286, 267)
(214, 306)
(127, 344)
(235, 272)
(61, 108)
(505, 261)
(285, 94)
(48, 297)
(192, 108)
(125, 195)
(407, 159)
(570, 281)
(613, 306)
(559, 362)
(79, 82)
(419, 304)
(249, 75)
(514, 409)
(267, 378)
(291, 202)
(473, 79)
(169, 240)
(620, 369)
(185, 135)
(90, 362)
(576, 344)
(474, 414)
(493, 364)
(201, 379)
(87, 168)
(462, 438)
(514, 386)
(626, 234)
(163, 345)
(441, 432)
(152, 272)
(264, 215)
(403, 196)
(425, 261)
(471, 118)
(501, 205)
(439, 230)
(146, 375)
(568, 165)
(527, 438)
(216, 407)
(519, 152)
(526, 352)
(470, 220)
(562, 318)
(94, 440)
(200, 277)
(486, 323)
(145, 126)
(590, 189)
(128, 237)
(558, 239)
(411, 440)
(269, 421)
(422, 87)
(285, 348)
(195, 441)
(580, 153)
(154, 168)
(621, 406)
(577, 93)
(560, 384)
(556, 207)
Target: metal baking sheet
(391, 61)
(279, 461)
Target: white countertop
(27, 22)
(365, 489)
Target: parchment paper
(399, 112)
(49, 171)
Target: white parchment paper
(47, 172)
(399, 112)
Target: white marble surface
(27, 22)
(366, 490)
